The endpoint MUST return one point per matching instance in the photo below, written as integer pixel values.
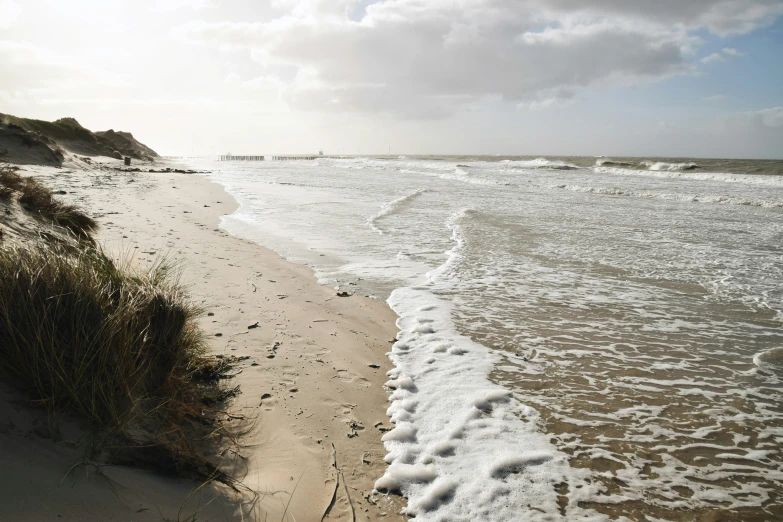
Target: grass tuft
(9, 179)
(85, 334)
(37, 198)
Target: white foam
(676, 196)
(402, 433)
(770, 360)
(390, 207)
(397, 475)
(662, 165)
(619, 306)
(479, 446)
(749, 179)
(438, 492)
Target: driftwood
(338, 474)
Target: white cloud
(430, 58)
(771, 117)
(763, 122)
(721, 17)
(714, 57)
(28, 69)
(718, 57)
(232, 78)
(174, 5)
(9, 13)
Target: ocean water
(580, 338)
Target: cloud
(720, 17)
(770, 117)
(718, 57)
(9, 13)
(175, 5)
(767, 122)
(28, 68)
(732, 52)
(232, 78)
(715, 98)
(714, 57)
(431, 58)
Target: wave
(455, 431)
(539, 163)
(748, 179)
(612, 163)
(661, 165)
(675, 196)
(390, 207)
(770, 360)
(456, 174)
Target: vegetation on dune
(9, 179)
(38, 199)
(69, 134)
(67, 129)
(84, 334)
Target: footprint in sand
(289, 376)
(352, 378)
(268, 402)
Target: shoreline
(312, 409)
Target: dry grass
(38, 199)
(84, 334)
(9, 179)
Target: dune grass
(83, 334)
(38, 199)
(9, 179)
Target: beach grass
(9, 179)
(87, 335)
(38, 199)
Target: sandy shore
(312, 407)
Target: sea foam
(463, 448)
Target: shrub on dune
(82, 333)
(9, 179)
(38, 199)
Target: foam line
(390, 207)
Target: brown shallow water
(632, 304)
(649, 385)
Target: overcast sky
(540, 77)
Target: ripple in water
(603, 340)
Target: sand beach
(311, 411)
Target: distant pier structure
(290, 158)
(231, 157)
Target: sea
(581, 338)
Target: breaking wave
(670, 167)
(390, 207)
(749, 179)
(675, 196)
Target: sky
(675, 78)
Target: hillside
(28, 141)
(127, 144)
